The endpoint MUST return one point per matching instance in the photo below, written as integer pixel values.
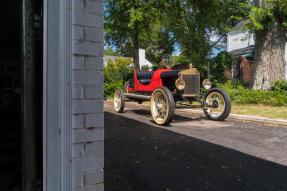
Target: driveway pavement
(192, 153)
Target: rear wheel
(119, 101)
(162, 106)
(126, 87)
(218, 104)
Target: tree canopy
(129, 22)
(262, 13)
(157, 25)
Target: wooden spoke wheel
(119, 101)
(218, 104)
(162, 106)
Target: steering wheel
(162, 63)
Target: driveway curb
(245, 117)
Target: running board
(137, 96)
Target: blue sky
(215, 51)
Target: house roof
(242, 51)
(238, 27)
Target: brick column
(88, 80)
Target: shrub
(110, 88)
(240, 94)
(116, 74)
(219, 65)
(280, 86)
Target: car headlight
(180, 84)
(206, 84)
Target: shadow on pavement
(177, 118)
(147, 158)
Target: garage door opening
(21, 63)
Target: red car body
(156, 81)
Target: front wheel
(217, 104)
(162, 106)
(119, 101)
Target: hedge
(241, 94)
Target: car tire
(221, 101)
(126, 86)
(119, 101)
(162, 106)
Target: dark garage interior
(21, 95)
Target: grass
(260, 111)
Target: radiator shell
(192, 85)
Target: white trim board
(57, 68)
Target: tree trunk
(269, 57)
(136, 52)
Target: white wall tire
(162, 106)
(221, 102)
(119, 101)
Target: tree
(193, 22)
(268, 20)
(160, 44)
(158, 25)
(219, 66)
(127, 22)
(110, 52)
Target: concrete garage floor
(193, 153)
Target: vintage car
(168, 89)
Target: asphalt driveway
(192, 153)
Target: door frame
(57, 95)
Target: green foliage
(193, 23)
(219, 65)
(240, 94)
(160, 44)
(116, 74)
(182, 60)
(110, 52)
(145, 67)
(161, 24)
(129, 23)
(280, 86)
(110, 88)
(259, 18)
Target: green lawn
(260, 111)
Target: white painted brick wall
(78, 62)
(87, 76)
(94, 63)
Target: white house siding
(239, 40)
(142, 59)
(87, 94)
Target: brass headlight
(206, 84)
(180, 84)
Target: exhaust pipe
(137, 96)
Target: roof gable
(238, 27)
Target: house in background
(240, 43)
(143, 61)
